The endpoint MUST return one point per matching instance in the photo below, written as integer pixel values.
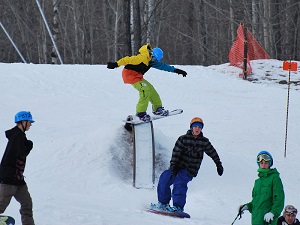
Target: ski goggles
(290, 211)
(262, 157)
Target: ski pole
(287, 111)
(235, 218)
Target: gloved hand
(242, 209)
(112, 65)
(179, 71)
(268, 217)
(29, 144)
(220, 168)
(174, 171)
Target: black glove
(219, 168)
(242, 208)
(174, 171)
(29, 144)
(179, 71)
(112, 65)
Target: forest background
(190, 32)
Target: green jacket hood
(266, 172)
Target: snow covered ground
(80, 169)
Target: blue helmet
(23, 115)
(157, 54)
(264, 155)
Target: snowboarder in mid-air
(135, 67)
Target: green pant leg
(144, 93)
(154, 97)
(147, 93)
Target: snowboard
(6, 220)
(172, 214)
(133, 119)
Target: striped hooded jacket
(189, 151)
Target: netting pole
(245, 53)
(287, 110)
(12, 43)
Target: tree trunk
(255, 18)
(203, 33)
(151, 21)
(116, 33)
(127, 33)
(136, 26)
(266, 10)
(232, 27)
(54, 31)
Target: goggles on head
(265, 157)
(290, 210)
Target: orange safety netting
(254, 51)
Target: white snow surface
(80, 168)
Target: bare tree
(190, 32)
(54, 30)
(127, 30)
(136, 26)
(255, 17)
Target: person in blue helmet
(12, 166)
(133, 73)
(267, 194)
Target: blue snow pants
(179, 187)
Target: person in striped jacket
(185, 163)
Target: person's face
(264, 164)
(289, 217)
(26, 124)
(196, 130)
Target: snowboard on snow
(6, 220)
(133, 119)
(172, 214)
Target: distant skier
(267, 194)
(12, 183)
(135, 67)
(185, 163)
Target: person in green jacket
(267, 194)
